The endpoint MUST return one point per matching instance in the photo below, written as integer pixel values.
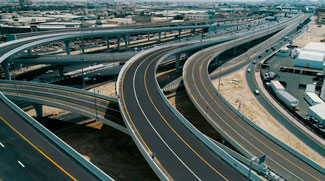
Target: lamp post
(219, 75)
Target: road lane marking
(212, 98)
(36, 148)
(174, 129)
(21, 164)
(172, 151)
(136, 130)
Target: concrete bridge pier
(5, 67)
(177, 56)
(165, 34)
(39, 110)
(126, 40)
(118, 43)
(61, 70)
(82, 46)
(67, 46)
(148, 36)
(107, 42)
(18, 66)
(235, 49)
(29, 52)
(179, 33)
(248, 45)
(159, 37)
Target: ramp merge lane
(41, 160)
(159, 133)
(206, 99)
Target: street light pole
(219, 75)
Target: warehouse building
(310, 59)
(318, 112)
(315, 47)
(312, 98)
(322, 95)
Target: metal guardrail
(56, 140)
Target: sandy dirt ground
(238, 92)
(314, 34)
(26, 69)
(109, 149)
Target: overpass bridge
(89, 104)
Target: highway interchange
(171, 148)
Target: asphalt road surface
(175, 148)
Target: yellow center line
(145, 84)
(40, 151)
(235, 121)
(136, 130)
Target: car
(254, 62)
(257, 92)
(248, 70)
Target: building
(310, 59)
(315, 47)
(321, 16)
(312, 98)
(322, 95)
(310, 88)
(197, 16)
(318, 112)
(142, 18)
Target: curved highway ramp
(98, 107)
(233, 126)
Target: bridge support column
(107, 43)
(148, 36)
(248, 45)
(67, 46)
(177, 56)
(5, 68)
(61, 68)
(188, 54)
(179, 33)
(126, 40)
(235, 49)
(29, 52)
(118, 43)
(39, 110)
(165, 34)
(82, 46)
(18, 66)
(159, 37)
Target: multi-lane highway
(171, 145)
(41, 159)
(206, 99)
